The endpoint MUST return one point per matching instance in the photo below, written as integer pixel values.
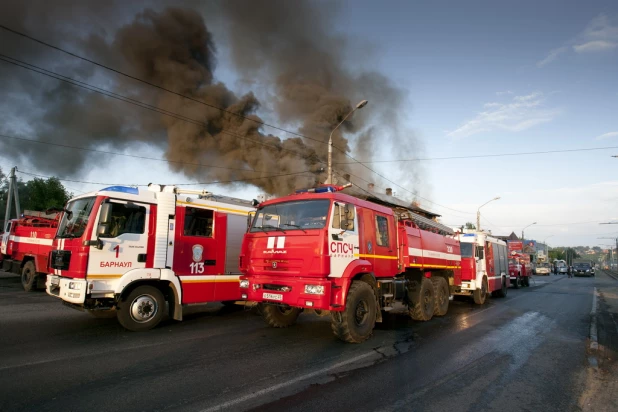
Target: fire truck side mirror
(250, 217)
(103, 230)
(347, 224)
(349, 212)
(105, 217)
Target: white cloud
(594, 46)
(551, 56)
(503, 93)
(600, 35)
(522, 113)
(607, 135)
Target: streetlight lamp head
(497, 198)
(534, 223)
(362, 104)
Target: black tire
(279, 316)
(441, 293)
(424, 306)
(517, 283)
(103, 314)
(142, 309)
(29, 276)
(355, 324)
(503, 289)
(480, 295)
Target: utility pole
(12, 192)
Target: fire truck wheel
(142, 309)
(103, 314)
(441, 292)
(480, 295)
(517, 283)
(28, 276)
(355, 324)
(279, 316)
(424, 305)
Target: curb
(594, 341)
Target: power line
(485, 155)
(218, 108)
(120, 154)
(173, 184)
(154, 84)
(138, 103)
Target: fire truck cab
(520, 269)
(25, 246)
(323, 250)
(483, 266)
(126, 252)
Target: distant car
(583, 269)
(542, 269)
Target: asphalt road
(528, 351)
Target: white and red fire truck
(520, 269)
(324, 250)
(127, 252)
(25, 247)
(484, 267)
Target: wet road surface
(524, 352)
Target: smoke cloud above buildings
(285, 48)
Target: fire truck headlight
(244, 284)
(75, 285)
(314, 289)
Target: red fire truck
(324, 250)
(126, 252)
(483, 266)
(25, 247)
(520, 269)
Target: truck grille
(60, 259)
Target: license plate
(272, 296)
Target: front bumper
(289, 291)
(69, 290)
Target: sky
(480, 78)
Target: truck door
(385, 263)
(491, 267)
(123, 229)
(343, 243)
(199, 254)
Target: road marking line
(288, 383)
(594, 342)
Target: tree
(44, 194)
(470, 225)
(37, 194)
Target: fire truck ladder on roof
(423, 222)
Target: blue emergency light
(121, 189)
(324, 189)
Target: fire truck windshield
(467, 249)
(75, 218)
(301, 215)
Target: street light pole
(522, 231)
(478, 212)
(610, 250)
(360, 105)
(546, 247)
